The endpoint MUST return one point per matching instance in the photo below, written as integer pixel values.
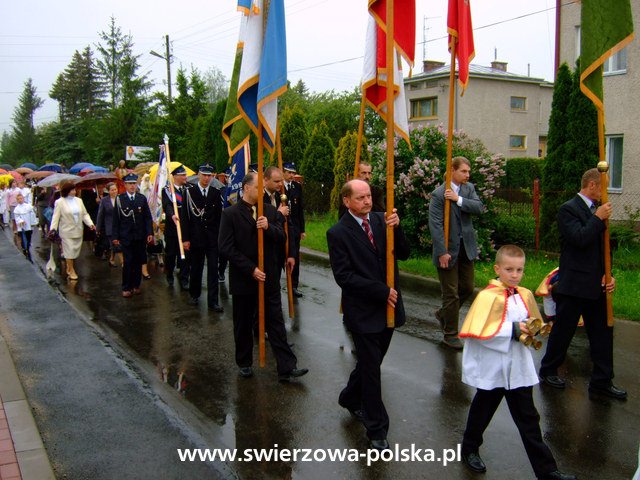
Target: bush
(521, 172)
(515, 229)
(316, 196)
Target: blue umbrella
(79, 166)
(51, 167)
(6, 166)
(30, 165)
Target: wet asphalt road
(184, 354)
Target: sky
(325, 39)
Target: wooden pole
(283, 201)
(391, 65)
(603, 168)
(447, 186)
(356, 166)
(173, 197)
(261, 247)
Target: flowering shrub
(419, 170)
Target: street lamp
(167, 58)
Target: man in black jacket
(357, 251)
(293, 190)
(172, 249)
(132, 230)
(581, 289)
(239, 243)
(204, 205)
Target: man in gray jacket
(455, 263)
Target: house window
(416, 86)
(518, 142)
(424, 108)
(519, 103)
(614, 158)
(616, 63)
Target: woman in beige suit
(69, 215)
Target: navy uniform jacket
(581, 250)
(131, 219)
(170, 230)
(361, 272)
(239, 243)
(294, 200)
(204, 217)
(294, 240)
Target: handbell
(536, 344)
(534, 325)
(545, 330)
(525, 339)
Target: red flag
(374, 74)
(461, 32)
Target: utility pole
(167, 58)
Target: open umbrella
(6, 166)
(3, 171)
(16, 175)
(38, 175)
(172, 166)
(51, 167)
(79, 166)
(24, 170)
(143, 168)
(91, 179)
(92, 169)
(5, 179)
(55, 179)
(30, 165)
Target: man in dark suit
(204, 205)
(172, 249)
(454, 263)
(273, 183)
(239, 243)
(132, 230)
(357, 251)
(293, 190)
(581, 289)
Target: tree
(317, 168)
(23, 136)
(341, 111)
(293, 134)
(217, 86)
(344, 164)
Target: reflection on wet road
(191, 351)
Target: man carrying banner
(239, 243)
(204, 205)
(172, 249)
(455, 261)
(357, 247)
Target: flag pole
(603, 168)
(260, 246)
(173, 196)
(356, 166)
(390, 67)
(283, 201)
(447, 186)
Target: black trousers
(245, 311)
(364, 389)
(594, 313)
(525, 416)
(134, 256)
(172, 259)
(197, 257)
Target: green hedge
(515, 229)
(521, 172)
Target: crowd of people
(495, 359)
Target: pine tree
(344, 164)
(23, 136)
(317, 168)
(293, 135)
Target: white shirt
(500, 362)
(26, 193)
(24, 217)
(456, 188)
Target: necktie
(367, 230)
(254, 212)
(132, 197)
(593, 208)
(511, 291)
(179, 196)
(273, 199)
(204, 192)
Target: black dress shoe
(246, 372)
(453, 342)
(474, 462)
(296, 372)
(193, 301)
(610, 391)
(216, 308)
(380, 444)
(297, 293)
(357, 412)
(558, 475)
(554, 381)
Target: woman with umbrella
(68, 216)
